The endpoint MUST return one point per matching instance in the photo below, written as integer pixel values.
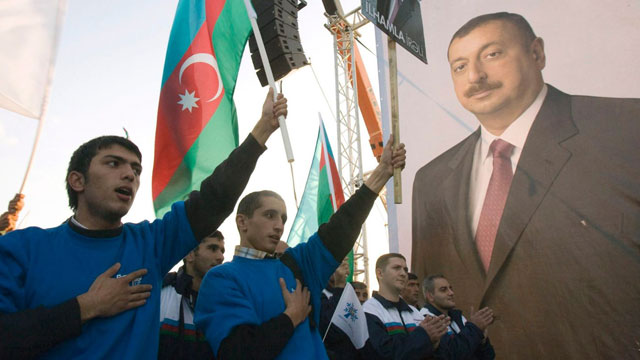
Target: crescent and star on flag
(188, 100)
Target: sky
(107, 77)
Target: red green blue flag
(197, 124)
(322, 195)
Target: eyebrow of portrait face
(481, 49)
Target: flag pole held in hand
(267, 69)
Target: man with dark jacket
(464, 339)
(179, 337)
(396, 329)
(411, 292)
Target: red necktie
(495, 199)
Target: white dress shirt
(516, 134)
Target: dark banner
(401, 20)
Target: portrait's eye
(459, 68)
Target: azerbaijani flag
(322, 194)
(197, 122)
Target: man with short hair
(89, 288)
(256, 307)
(179, 337)
(361, 291)
(464, 339)
(397, 330)
(411, 292)
(539, 206)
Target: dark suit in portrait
(564, 274)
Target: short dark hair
(412, 276)
(359, 285)
(252, 201)
(517, 20)
(81, 159)
(428, 284)
(216, 234)
(383, 260)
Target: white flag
(29, 31)
(350, 318)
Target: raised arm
(208, 208)
(341, 232)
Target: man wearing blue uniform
(57, 300)
(255, 307)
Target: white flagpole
(47, 92)
(267, 70)
(327, 332)
(36, 141)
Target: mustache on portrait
(478, 88)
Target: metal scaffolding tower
(349, 159)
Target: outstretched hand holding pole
(267, 69)
(393, 159)
(269, 121)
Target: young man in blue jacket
(90, 288)
(255, 307)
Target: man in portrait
(536, 214)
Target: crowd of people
(269, 301)
(94, 287)
(406, 320)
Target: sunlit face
(394, 276)
(109, 188)
(411, 292)
(262, 231)
(442, 296)
(208, 254)
(496, 73)
(362, 294)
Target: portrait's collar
(516, 133)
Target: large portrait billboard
(548, 232)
